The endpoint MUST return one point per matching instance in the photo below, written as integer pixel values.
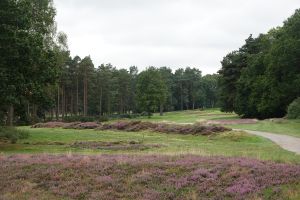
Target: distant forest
(39, 79)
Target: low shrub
(12, 134)
(84, 125)
(146, 114)
(128, 126)
(294, 109)
(196, 129)
(103, 119)
(133, 126)
(116, 145)
(49, 125)
(151, 177)
(85, 119)
(71, 125)
(124, 116)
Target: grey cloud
(175, 33)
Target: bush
(124, 116)
(79, 125)
(294, 109)
(12, 134)
(146, 114)
(49, 125)
(103, 119)
(196, 129)
(85, 119)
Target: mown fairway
(229, 144)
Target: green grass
(287, 127)
(227, 144)
(289, 192)
(284, 126)
(191, 116)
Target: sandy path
(287, 142)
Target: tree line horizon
(39, 79)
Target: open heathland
(154, 177)
(215, 116)
(232, 143)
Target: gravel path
(289, 143)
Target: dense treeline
(39, 79)
(105, 90)
(29, 51)
(263, 77)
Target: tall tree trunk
(51, 114)
(72, 103)
(57, 108)
(108, 105)
(63, 102)
(161, 109)
(85, 95)
(28, 111)
(11, 115)
(34, 113)
(100, 109)
(181, 96)
(77, 96)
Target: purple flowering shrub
(86, 125)
(49, 125)
(132, 126)
(71, 125)
(141, 177)
(196, 129)
(117, 145)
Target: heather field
(145, 177)
(140, 159)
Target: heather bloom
(142, 176)
(195, 129)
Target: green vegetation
(12, 134)
(262, 77)
(151, 177)
(40, 81)
(281, 126)
(286, 127)
(294, 109)
(191, 116)
(151, 90)
(235, 144)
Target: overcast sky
(173, 33)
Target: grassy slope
(225, 144)
(288, 127)
(191, 116)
